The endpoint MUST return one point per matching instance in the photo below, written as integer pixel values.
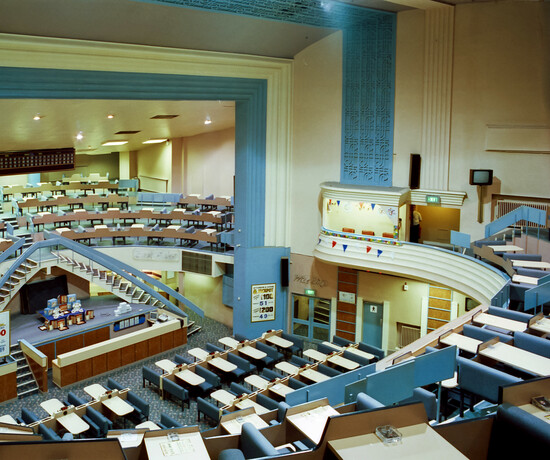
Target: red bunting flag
(333, 243)
(368, 249)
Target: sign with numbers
(263, 302)
(4, 333)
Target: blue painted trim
(536, 216)
(250, 112)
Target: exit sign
(433, 199)
(310, 292)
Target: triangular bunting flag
(379, 252)
(319, 241)
(333, 243)
(345, 247)
(372, 206)
(368, 249)
(338, 202)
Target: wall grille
(408, 334)
(196, 263)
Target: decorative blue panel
(368, 100)
(368, 74)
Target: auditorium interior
(312, 229)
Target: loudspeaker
(284, 271)
(414, 174)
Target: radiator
(506, 206)
(408, 335)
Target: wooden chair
(348, 230)
(368, 232)
(387, 235)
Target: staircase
(26, 384)
(109, 281)
(22, 274)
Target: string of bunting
(367, 239)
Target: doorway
(437, 223)
(311, 317)
(373, 316)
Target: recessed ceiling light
(37, 117)
(127, 132)
(154, 141)
(164, 117)
(208, 120)
(109, 143)
(79, 136)
(110, 116)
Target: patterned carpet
(130, 376)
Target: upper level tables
(498, 321)
(418, 441)
(65, 416)
(342, 362)
(51, 406)
(234, 425)
(95, 390)
(223, 396)
(252, 352)
(255, 381)
(525, 279)
(314, 376)
(247, 402)
(189, 377)
(461, 341)
(505, 248)
(7, 418)
(280, 389)
(531, 264)
(287, 367)
(166, 365)
(186, 446)
(222, 364)
(542, 325)
(315, 355)
(198, 353)
(361, 353)
(312, 422)
(229, 342)
(518, 358)
(279, 341)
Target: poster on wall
(4, 334)
(263, 302)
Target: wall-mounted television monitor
(481, 176)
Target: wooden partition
(86, 449)
(471, 437)
(73, 342)
(521, 393)
(8, 381)
(108, 355)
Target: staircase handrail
(527, 213)
(108, 262)
(127, 271)
(537, 295)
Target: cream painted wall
(207, 292)
(210, 163)
(317, 120)
(156, 162)
(500, 76)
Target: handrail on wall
(533, 215)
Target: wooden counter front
(101, 357)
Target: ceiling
(62, 120)
(137, 22)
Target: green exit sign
(310, 292)
(433, 199)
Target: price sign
(263, 302)
(4, 333)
